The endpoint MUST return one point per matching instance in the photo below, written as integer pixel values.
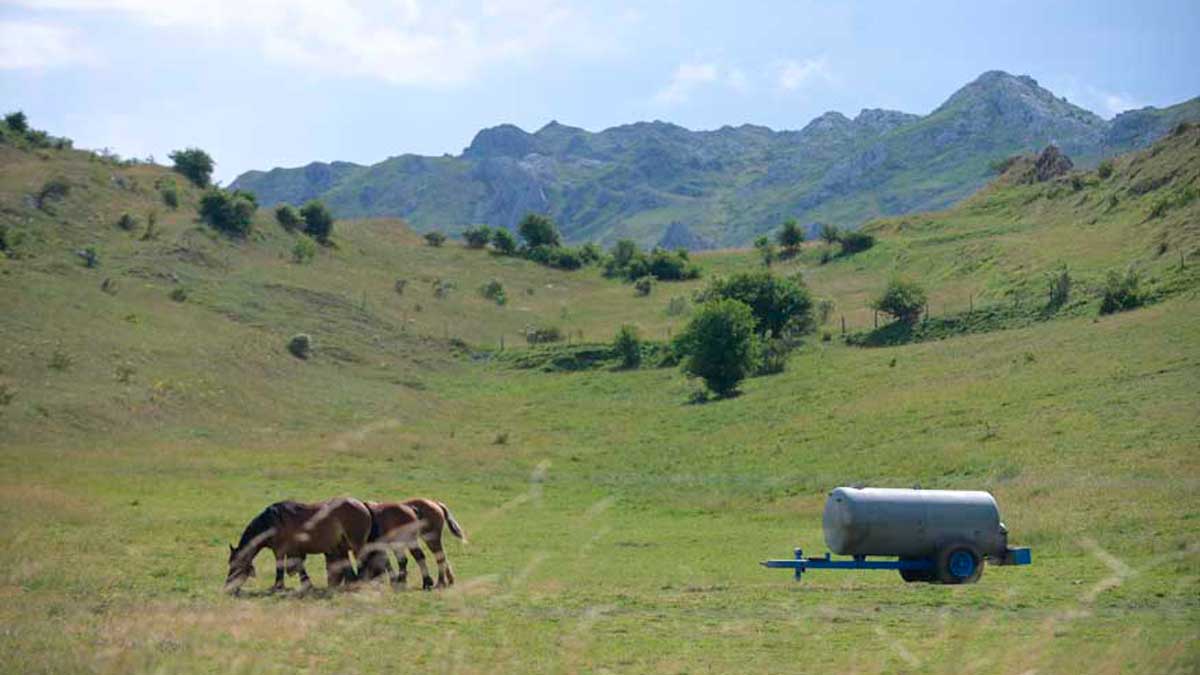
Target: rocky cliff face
(658, 182)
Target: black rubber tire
(914, 576)
(942, 565)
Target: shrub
(677, 306)
(644, 286)
(628, 346)
(1060, 288)
(494, 290)
(503, 241)
(1121, 292)
(435, 238)
(902, 299)
(60, 361)
(773, 357)
(52, 190)
(17, 121)
(590, 253)
(791, 236)
(300, 345)
(91, 258)
(855, 242)
(666, 266)
(127, 222)
(538, 230)
(766, 250)
(442, 288)
(824, 311)
(170, 196)
(477, 237)
(829, 234)
(304, 250)
(318, 221)
(542, 335)
(1105, 169)
(228, 212)
(288, 217)
(195, 164)
(559, 257)
(719, 345)
(151, 226)
(779, 305)
(179, 294)
(623, 252)
(399, 286)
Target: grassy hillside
(613, 525)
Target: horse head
(241, 568)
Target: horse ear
(231, 548)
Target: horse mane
(264, 521)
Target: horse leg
(419, 556)
(281, 562)
(305, 582)
(445, 576)
(400, 579)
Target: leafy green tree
(791, 236)
(719, 345)
(504, 241)
(623, 252)
(855, 242)
(538, 230)
(903, 299)
(628, 345)
(53, 189)
(829, 234)
(766, 250)
(288, 217)
(228, 212)
(318, 221)
(779, 305)
(304, 250)
(1121, 292)
(195, 164)
(435, 238)
(17, 122)
(478, 236)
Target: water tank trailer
(939, 536)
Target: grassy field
(613, 525)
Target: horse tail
(455, 528)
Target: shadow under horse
(293, 530)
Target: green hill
(149, 408)
(658, 182)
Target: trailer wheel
(912, 576)
(959, 564)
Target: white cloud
(1119, 103)
(689, 77)
(792, 74)
(408, 42)
(38, 45)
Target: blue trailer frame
(800, 564)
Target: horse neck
(259, 534)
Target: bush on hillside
(643, 286)
(494, 290)
(17, 121)
(195, 164)
(855, 242)
(791, 236)
(1121, 292)
(300, 345)
(503, 241)
(538, 230)
(719, 345)
(1060, 288)
(288, 217)
(590, 253)
(304, 250)
(231, 213)
(559, 257)
(773, 357)
(435, 238)
(766, 250)
(542, 335)
(780, 306)
(54, 189)
(478, 236)
(829, 234)
(127, 222)
(1105, 169)
(170, 197)
(318, 221)
(902, 299)
(628, 345)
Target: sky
(265, 83)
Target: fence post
(877, 318)
(971, 302)
(843, 324)
(502, 342)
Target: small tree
(766, 250)
(494, 290)
(1060, 288)
(791, 236)
(628, 345)
(435, 238)
(318, 221)
(304, 250)
(623, 253)
(17, 122)
(54, 189)
(779, 305)
(644, 286)
(1105, 169)
(1120, 292)
(538, 230)
(503, 241)
(855, 242)
(288, 217)
(170, 196)
(719, 345)
(829, 234)
(902, 299)
(195, 164)
(477, 237)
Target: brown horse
(397, 526)
(335, 528)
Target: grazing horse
(335, 528)
(397, 526)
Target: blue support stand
(859, 562)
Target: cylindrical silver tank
(911, 523)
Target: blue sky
(262, 83)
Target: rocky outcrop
(679, 235)
(1052, 163)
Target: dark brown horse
(397, 527)
(335, 528)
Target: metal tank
(912, 523)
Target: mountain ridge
(725, 185)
